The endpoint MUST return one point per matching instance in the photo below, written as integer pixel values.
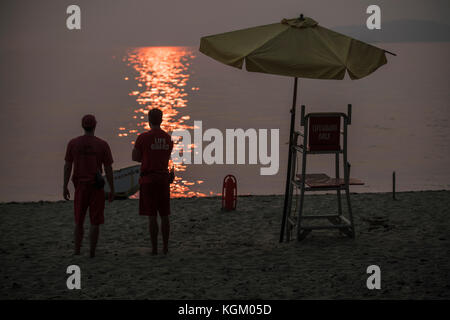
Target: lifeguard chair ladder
(322, 135)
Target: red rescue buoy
(229, 193)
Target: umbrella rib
(268, 40)
(326, 44)
(391, 53)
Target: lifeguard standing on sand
(153, 150)
(88, 154)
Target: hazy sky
(30, 24)
(51, 76)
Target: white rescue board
(126, 182)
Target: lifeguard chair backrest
(324, 132)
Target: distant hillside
(399, 31)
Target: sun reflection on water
(162, 74)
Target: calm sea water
(400, 114)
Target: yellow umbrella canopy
(297, 47)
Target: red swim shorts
(87, 196)
(154, 195)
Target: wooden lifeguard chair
(324, 133)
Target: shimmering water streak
(162, 76)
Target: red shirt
(88, 153)
(155, 147)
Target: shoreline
(318, 193)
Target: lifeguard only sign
(324, 133)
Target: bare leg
(78, 238)
(153, 227)
(94, 232)
(165, 228)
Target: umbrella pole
(288, 175)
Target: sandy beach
(232, 255)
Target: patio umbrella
(298, 48)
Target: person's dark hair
(155, 116)
(89, 129)
(88, 122)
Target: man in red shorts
(88, 154)
(153, 150)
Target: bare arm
(109, 177)
(67, 173)
(136, 155)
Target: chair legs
(301, 232)
(337, 220)
(346, 226)
(350, 214)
